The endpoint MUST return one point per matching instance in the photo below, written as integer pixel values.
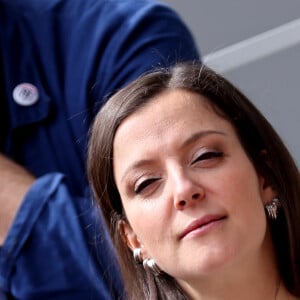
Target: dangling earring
(151, 264)
(137, 255)
(272, 208)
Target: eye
(141, 186)
(208, 156)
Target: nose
(186, 189)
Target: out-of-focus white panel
(254, 48)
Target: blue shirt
(74, 54)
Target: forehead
(169, 108)
(168, 116)
(175, 100)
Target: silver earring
(151, 264)
(137, 255)
(272, 208)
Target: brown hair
(262, 144)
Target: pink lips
(201, 223)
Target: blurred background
(256, 45)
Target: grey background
(272, 82)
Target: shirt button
(25, 94)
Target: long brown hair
(262, 144)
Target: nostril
(196, 196)
(181, 203)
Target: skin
(14, 184)
(177, 162)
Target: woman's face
(192, 197)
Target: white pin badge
(25, 94)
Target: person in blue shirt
(59, 61)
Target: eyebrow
(190, 140)
(199, 135)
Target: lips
(201, 223)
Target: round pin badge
(25, 94)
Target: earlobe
(132, 241)
(129, 236)
(268, 193)
(267, 189)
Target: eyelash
(144, 184)
(208, 155)
(202, 157)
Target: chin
(212, 263)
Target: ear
(267, 191)
(129, 236)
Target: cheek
(239, 190)
(148, 222)
(244, 198)
(242, 181)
